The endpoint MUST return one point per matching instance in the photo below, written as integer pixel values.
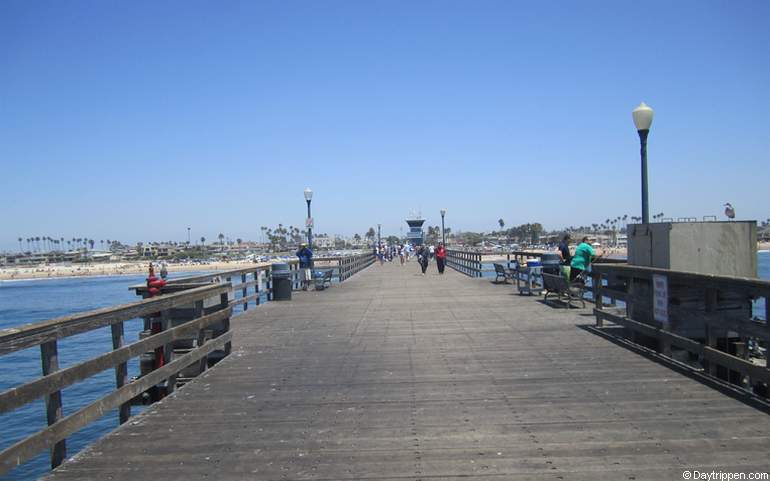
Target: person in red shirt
(440, 257)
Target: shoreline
(56, 271)
(106, 270)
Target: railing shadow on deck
(186, 330)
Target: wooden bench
(502, 272)
(560, 286)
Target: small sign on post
(309, 222)
(660, 298)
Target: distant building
(323, 241)
(415, 235)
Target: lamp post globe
(642, 116)
(308, 197)
(443, 233)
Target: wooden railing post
(168, 350)
(121, 370)
(767, 339)
(596, 287)
(257, 275)
(711, 339)
(49, 354)
(244, 291)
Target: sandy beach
(108, 269)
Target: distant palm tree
(37, 241)
(203, 241)
(501, 222)
(91, 243)
(20, 248)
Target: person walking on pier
(305, 256)
(584, 254)
(440, 257)
(422, 258)
(566, 257)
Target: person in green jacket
(584, 254)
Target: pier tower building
(415, 234)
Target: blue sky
(134, 120)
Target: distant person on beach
(163, 270)
(440, 257)
(305, 256)
(422, 257)
(566, 257)
(402, 253)
(584, 254)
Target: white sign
(309, 222)
(660, 298)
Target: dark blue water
(23, 302)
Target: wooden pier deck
(395, 376)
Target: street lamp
(308, 198)
(443, 233)
(188, 236)
(643, 120)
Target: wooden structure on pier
(399, 376)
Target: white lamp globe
(308, 193)
(643, 117)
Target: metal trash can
(281, 277)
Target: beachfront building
(324, 241)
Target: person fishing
(305, 256)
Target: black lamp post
(643, 120)
(379, 239)
(443, 232)
(308, 198)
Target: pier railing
(350, 265)
(703, 321)
(472, 263)
(47, 334)
(468, 263)
(194, 311)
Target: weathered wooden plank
(752, 286)
(729, 361)
(56, 380)
(30, 335)
(29, 447)
(651, 330)
(243, 300)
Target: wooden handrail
(29, 335)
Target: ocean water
(23, 302)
